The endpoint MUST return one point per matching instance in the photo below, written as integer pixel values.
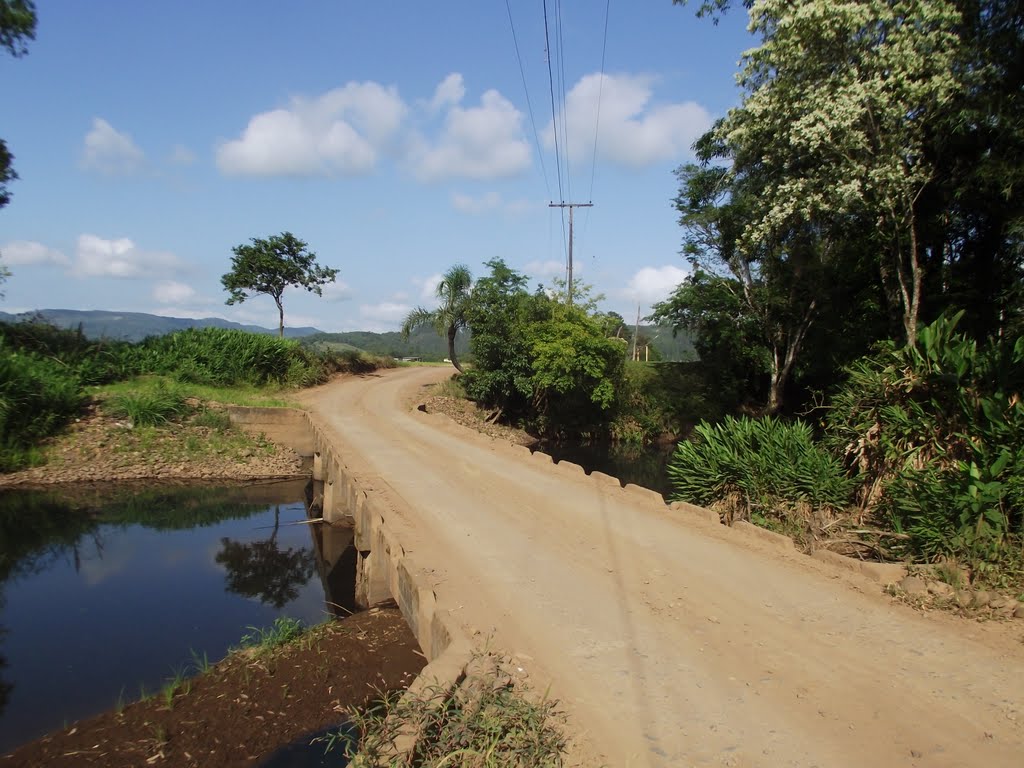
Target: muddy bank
(246, 707)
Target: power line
(600, 89)
(554, 115)
(560, 44)
(529, 104)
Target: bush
(148, 408)
(38, 397)
(935, 434)
(768, 465)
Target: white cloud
(632, 131)
(23, 252)
(337, 134)
(181, 155)
(546, 269)
(384, 316)
(173, 292)
(109, 151)
(337, 291)
(653, 284)
(449, 92)
(428, 287)
(98, 257)
(484, 142)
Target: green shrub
(935, 434)
(38, 397)
(767, 464)
(148, 408)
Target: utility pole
(636, 333)
(570, 206)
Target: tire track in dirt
(669, 642)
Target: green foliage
(767, 464)
(936, 436)
(547, 365)
(270, 265)
(224, 357)
(148, 408)
(17, 25)
(38, 397)
(661, 399)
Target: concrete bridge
(671, 639)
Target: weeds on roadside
(484, 723)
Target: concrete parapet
(756, 532)
(646, 494)
(542, 457)
(608, 480)
(702, 513)
(569, 468)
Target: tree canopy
(268, 266)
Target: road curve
(672, 643)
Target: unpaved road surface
(671, 642)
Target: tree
(840, 98)
(455, 292)
(269, 266)
(17, 26)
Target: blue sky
(395, 138)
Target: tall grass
(38, 396)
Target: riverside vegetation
(49, 376)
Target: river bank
(243, 709)
(98, 447)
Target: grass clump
(281, 632)
(148, 408)
(484, 723)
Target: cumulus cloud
(99, 257)
(173, 292)
(548, 269)
(449, 92)
(653, 284)
(383, 316)
(109, 151)
(337, 134)
(483, 142)
(337, 291)
(24, 252)
(428, 287)
(633, 131)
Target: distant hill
(135, 326)
(423, 343)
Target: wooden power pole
(570, 206)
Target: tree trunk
(280, 317)
(452, 331)
(782, 367)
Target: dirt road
(673, 643)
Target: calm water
(101, 595)
(644, 466)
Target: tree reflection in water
(259, 569)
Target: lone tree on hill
(269, 266)
(454, 291)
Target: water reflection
(643, 465)
(102, 594)
(265, 571)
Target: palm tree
(454, 291)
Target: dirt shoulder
(98, 448)
(246, 707)
(671, 641)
